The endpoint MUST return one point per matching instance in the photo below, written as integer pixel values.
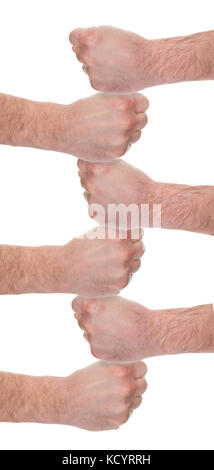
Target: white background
(41, 203)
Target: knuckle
(146, 103)
(95, 352)
(122, 151)
(94, 84)
(119, 370)
(84, 58)
(126, 389)
(91, 306)
(137, 265)
(83, 323)
(123, 418)
(89, 185)
(123, 102)
(143, 121)
(127, 122)
(124, 282)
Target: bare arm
(182, 330)
(90, 265)
(29, 399)
(29, 123)
(186, 207)
(118, 60)
(182, 207)
(98, 128)
(72, 400)
(121, 330)
(178, 59)
(26, 270)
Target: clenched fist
(178, 206)
(120, 330)
(112, 58)
(115, 328)
(97, 398)
(102, 127)
(121, 61)
(103, 396)
(99, 128)
(116, 183)
(98, 264)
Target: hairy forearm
(26, 270)
(178, 59)
(30, 399)
(182, 207)
(188, 208)
(177, 331)
(31, 124)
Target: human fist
(102, 127)
(102, 396)
(116, 328)
(117, 183)
(115, 60)
(119, 330)
(99, 263)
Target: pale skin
(98, 398)
(121, 61)
(98, 128)
(183, 207)
(94, 264)
(120, 330)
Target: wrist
(42, 399)
(186, 207)
(47, 127)
(178, 59)
(41, 269)
(54, 269)
(55, 400)
(189, 330)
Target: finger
(86, 196)
(135, 136)
(141, 386)
(83, 165)
(139, 249)
(86, 336)
(141, 121)
(135, 265)
(85, 182)
(141, 103)
(82, 322)
(89, 36)
(85, 69)
(139, 369)
(79, 321)
(79, 56)
(76, 49)
(77, 304)
(136, 402)
(75, 36)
